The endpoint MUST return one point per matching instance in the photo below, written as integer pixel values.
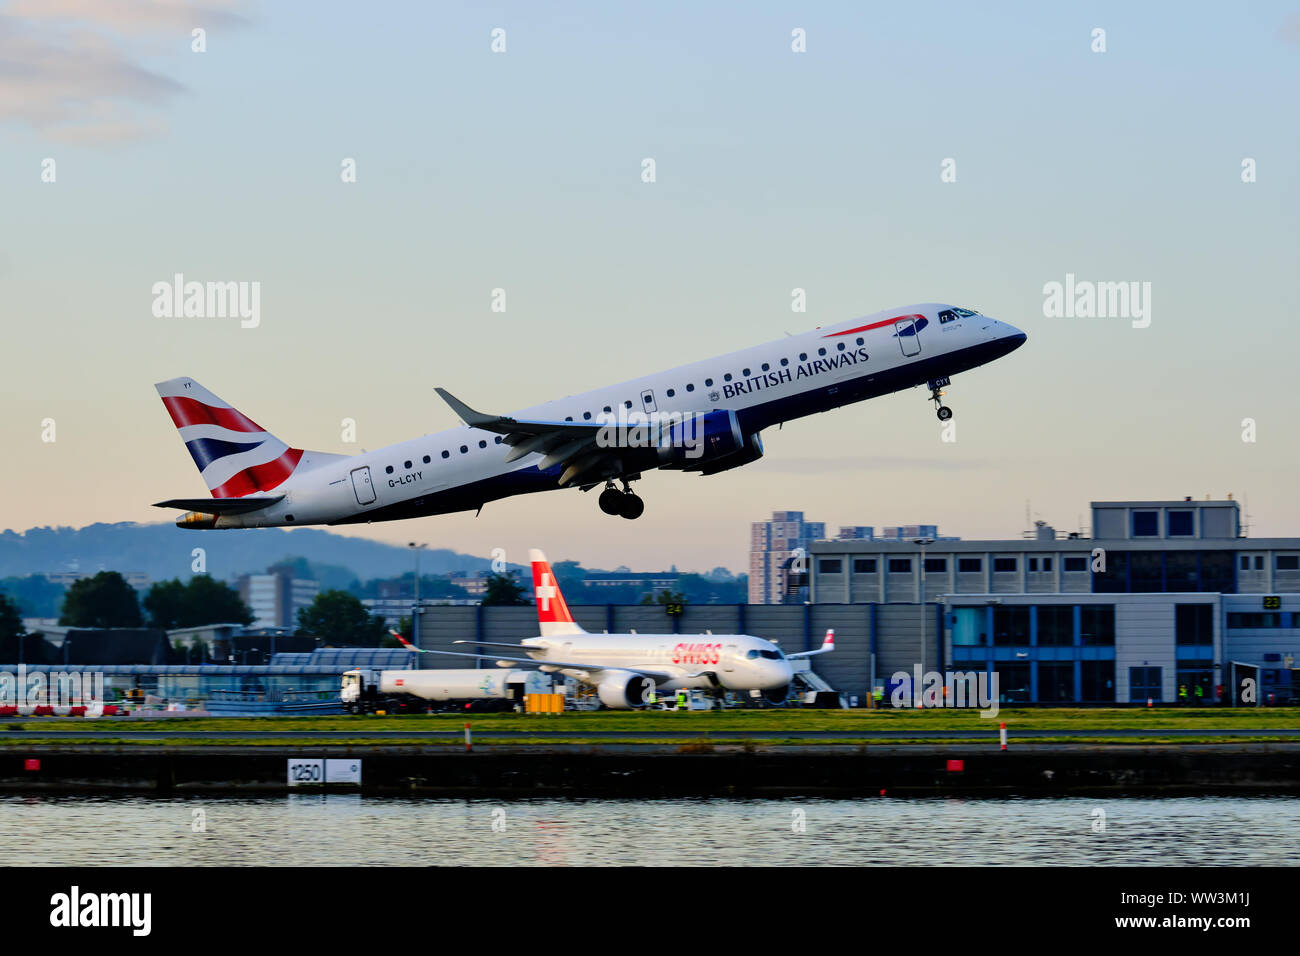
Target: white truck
(482, 689)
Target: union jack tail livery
(552, 611)
(235, 455)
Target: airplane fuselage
(707, 661)
(463, 468)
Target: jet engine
(623, 690)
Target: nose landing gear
(625, 503)
(936, 392)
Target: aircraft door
(361, 484)
(729, 658)
(908, 339)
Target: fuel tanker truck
(365, 691)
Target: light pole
(921, 543)
(415, 612)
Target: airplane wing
(570, 444)
(221, 506)
(828, 645)
(564, 665)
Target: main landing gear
(625, 502)
(936, 391)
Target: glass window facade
(969, 565)
(1011, 625)
(1146, 524)
(1159, 571)
(1043, 653)
(1180, 524)
(864, 565)
(1144, 683)
(1194, 625)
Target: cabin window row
(464, 450)
(708, 382)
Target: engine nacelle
(623, 690)
(752, 450)
(698, 439)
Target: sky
(774, 170)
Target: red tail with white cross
(552, 611)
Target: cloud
(136, 17)
(73, 69)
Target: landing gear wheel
(611, 501)
(936, 392)
(631, 506)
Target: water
(351, 830)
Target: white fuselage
(462, 468)
(737, 661)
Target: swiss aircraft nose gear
(936, 391)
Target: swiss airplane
(705, 418)
(624, 669)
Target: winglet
(828, 645)
(405, 643)
(463, 411)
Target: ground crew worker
(681, 698)
(1200, 693)
(877, 696)
(1182, 693)
(652, 700)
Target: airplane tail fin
(552, 611)
(235, 455)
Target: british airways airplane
(706, 418)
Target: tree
(11, 621)
(105, 600)
(203, 600)
(339, 618)
(673, 602)
(504, 589)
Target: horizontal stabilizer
(221, 506)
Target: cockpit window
(772, 655)
(951, 315)
(751, 655)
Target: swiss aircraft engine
(623, 690)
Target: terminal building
(1167, 601)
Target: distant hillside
(164, 551)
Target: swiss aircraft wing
(828, 645)
(570, 444)
(567, 665)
